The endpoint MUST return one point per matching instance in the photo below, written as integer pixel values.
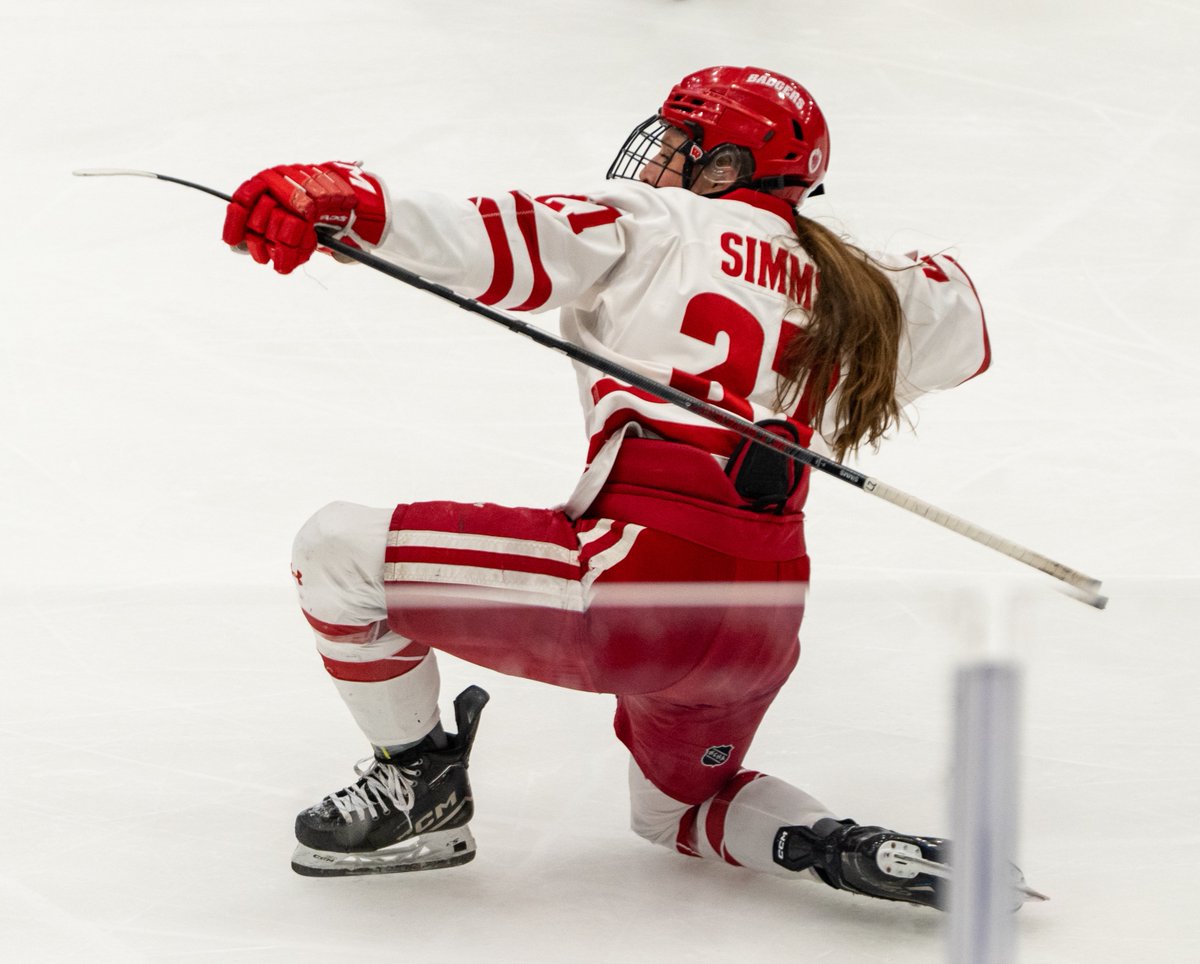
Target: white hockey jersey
(690, 291)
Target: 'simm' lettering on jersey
(768, 266)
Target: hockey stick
(1086, 588)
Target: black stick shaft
(192, 184)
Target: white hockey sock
(395, 712)
(753, 817)
(737, 825)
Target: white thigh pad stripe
(478, 576)
(602, 528)
(604, 560)
(416, 596)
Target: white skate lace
(383, 786)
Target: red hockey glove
(275, 213)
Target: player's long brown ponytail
(852, 336)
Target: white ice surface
(171, 414)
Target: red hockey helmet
(770, 116)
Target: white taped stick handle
(1085, 584)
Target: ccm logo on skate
(440, 812)
(714, 756)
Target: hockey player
(673, 577)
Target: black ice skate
(406, 814)
(877, 862)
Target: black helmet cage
(644, 144)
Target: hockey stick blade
(123, 172)
(1093, 599)
(1087, 588)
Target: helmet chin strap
(769, 184)
(693, 154)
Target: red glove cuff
(369, 217)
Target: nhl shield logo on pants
(714, 756)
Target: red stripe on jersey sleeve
(527, 222)
(502, 270)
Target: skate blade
(905, 860)
(431, 851)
